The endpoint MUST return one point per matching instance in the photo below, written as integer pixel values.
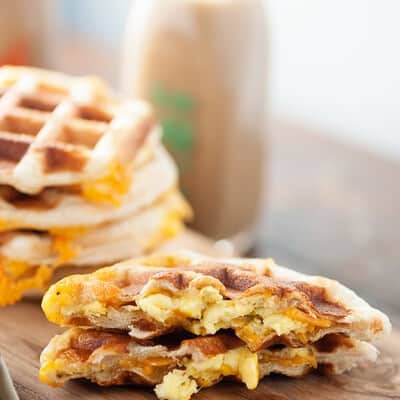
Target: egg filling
(178, 376)
(181, 384)
(254, 318)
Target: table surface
(332, 210)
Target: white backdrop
(336, 64)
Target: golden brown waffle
(181, 366)
(263, 303)
(57, 130)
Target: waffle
(24, 254)
(263, 303)
(83, 178)
(181, 367)
(47, 210)
(106, 243)
(57, 130)
(185, 239)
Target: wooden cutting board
(24, 331)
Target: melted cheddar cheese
(296, 361)
(110, 188)
(170, 227)
(18, 276)
(62, 245)
(188, 376)
(297, 315)
(289, 357)
(8, 225)
(15, 268)
(171, 224)
(12, 287)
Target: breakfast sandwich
(262, 303)
(28, 254)
(47, 210)
(178, 367)
(84, 178)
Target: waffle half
(264, 304)
(58, 130)
(48, 209)
(181, 367)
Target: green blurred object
(7, 390)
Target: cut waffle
(263, 303)
(57, 130)
(180, 367)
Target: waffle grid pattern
(56, 130)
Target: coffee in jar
(202, 64)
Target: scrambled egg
(163, 307)
(176, 386)
(182, 384)
(205, 312)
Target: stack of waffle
(84, 179)
(182, 322)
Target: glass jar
(202, 64)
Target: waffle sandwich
(80, 169)
(236, 317)
(179, 367)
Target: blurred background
(331, 198)
(333, 65)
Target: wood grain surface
(329, 209)
(334, 210)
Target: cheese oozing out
(62, 242)
(8, 225)
(19, 276)
(110, 188)
(14, 285)
(289, 357)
